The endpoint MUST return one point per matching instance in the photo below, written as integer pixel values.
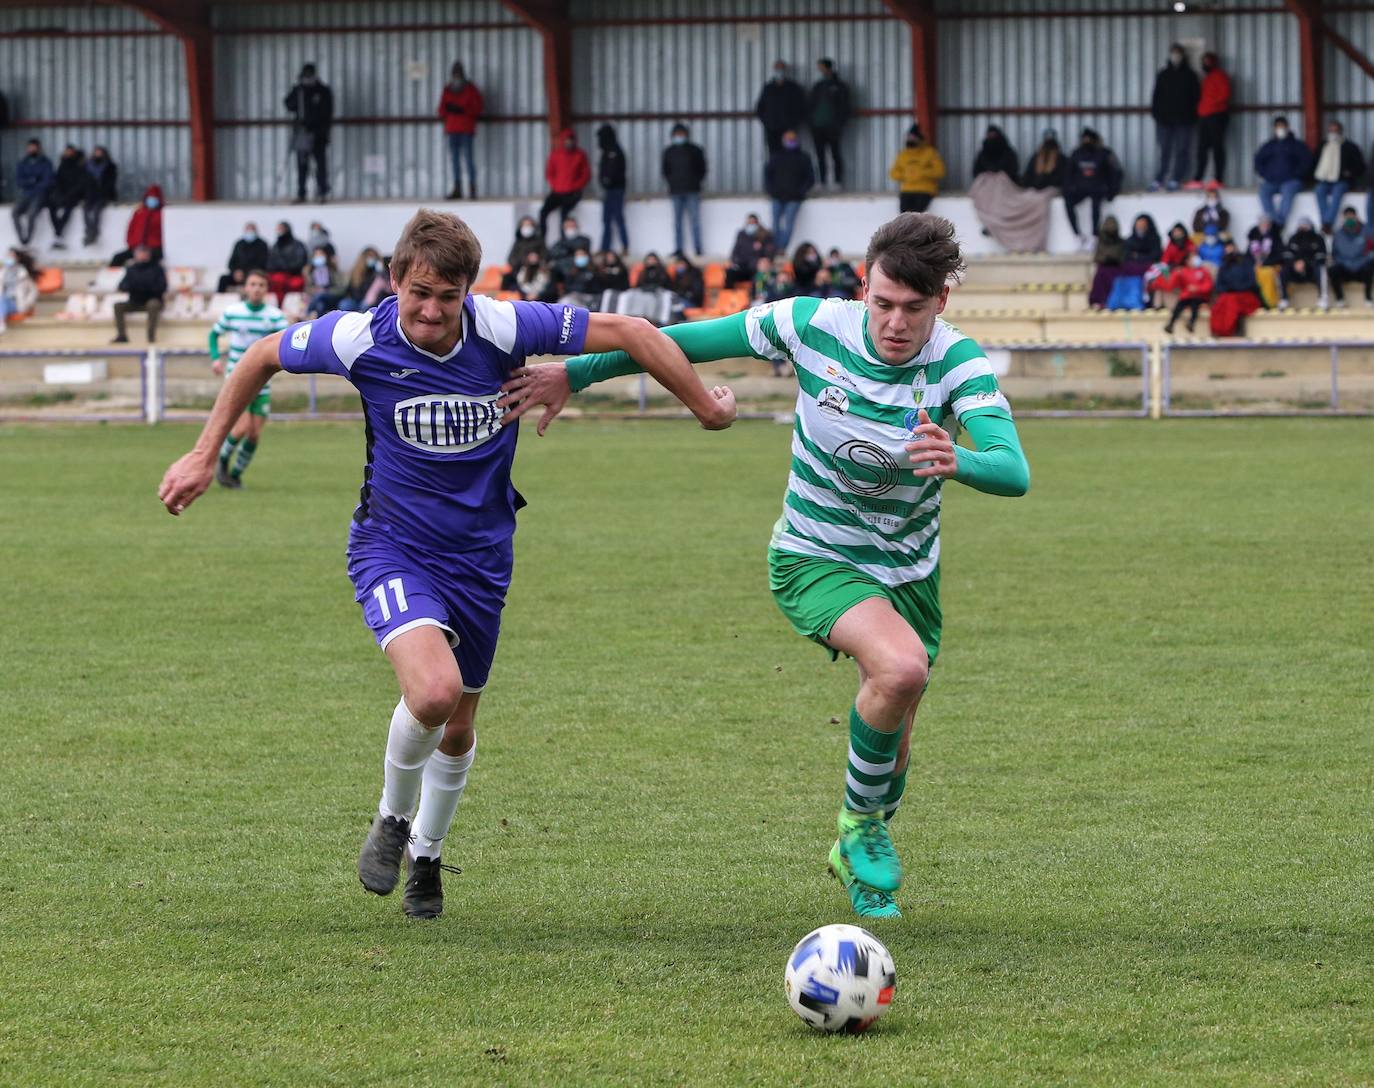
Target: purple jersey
(438, 459)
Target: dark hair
(680, 127)
(443, 242)
(307, 69)
(262, 275)
(917, 250)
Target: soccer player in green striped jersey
(854, 561)
(243, 323)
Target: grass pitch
(1137, 831)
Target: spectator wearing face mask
(1237, 293)
(460, 106)
(1282, 163)
(762, 284)
(1339, 167)
(1093, 174)
(318, 238)
(610, 172)
(1047, 168)
(611, 273)
(69, 188)
(685, 280)
(806, 262)
(1304, 261)
(1265, 246)
(249, 252)
(917, 170)
(579, 282)
(828, 113)
(360, 278)
(527, 241)
(842, 273)
(1194, 285)
(788, 178)
(1212, 213)
(18, 293)
(652, 274)
(311, 105)
(1352, 258)
(533, 279)
(1174, 109)
(145, 228)
(753, 243)
(145, 283)
(996, 155)
(561, 253)
(286, 263)
(1211, 248)
(568, 172)
(684, 169)
(323, 282)
(781, 107)
(1213, 116)
(34, 177)
(102, 181)
(1180, 247)
(1108, 255)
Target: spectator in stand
(579, 285)
(567, 172)
(781, 107)
(365, 270)
(1194, 286)
(1174, 108)
(1180, 247)
(527, 241)
(318, 238)
(611, 176)
(1211, 249)
(460, 106)
(784, 286)
(1047, 168)
(1339, 167)
(917, 170)
(1282, 163)
(311, 105)
(1304, 261)
(806, 262)
(145, 228)
(1352, 258)
(33, 178)
(652, 275)
(753, 243)
(762, 283)
(788, 178)
(380, 287)
(286, 263)
(1237, 293)
(18, 291)
(68, 190)
(1093, 174)
(997, 155)
(1212, 214)
(611, 273)
(1265, 242)
(1213, 115)
(102, 180)
(828, 112)
(684, 169)
(825, 287)
(563, 251)
(533, 279)
(323, 283)
(249, 252)
(685, 280)
(1369, 200)
(842, 273)
(1142, 249)
(145, 283)
(1107, 259)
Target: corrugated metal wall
(93, 79)
(1346, 82)
(681, 69)
(987, 64)
(394, 74)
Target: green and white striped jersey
(852, 495)
(243, 325)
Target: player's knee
(434, 701)
(902, 679)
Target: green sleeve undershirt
(214, 344)
(998, 465)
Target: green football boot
(867, 902)
(867, 849)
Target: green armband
(700, 341)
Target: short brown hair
(443, 242)
(917, 250)
(257, 273)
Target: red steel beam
(919, 16)
(550, 18)
(1341, 42)
(1310, 27)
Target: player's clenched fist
(725, 400)
(187, 479)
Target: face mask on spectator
(250, 236)
(1280, 132)
(9, 261)
(751, 228)
(373, 263)
(581, 260)
(319, 260)
(1212, 200)
(1175, 58)
(568, 145)
(679, 139)
(1333, 136)
(527, 230)
(779, 74)
(569, 232)
(1194, 262)
(1351, 223)
(152, 202)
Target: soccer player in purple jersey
(429, 549)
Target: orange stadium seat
(490, 280)
(49, 281)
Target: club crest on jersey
(833, 402)
(447, 423)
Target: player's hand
(725, 402)
(187, 479)
(546, 384)
(217, 366)
(932, 451)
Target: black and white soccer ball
(840, 978)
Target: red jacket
(1191, 283)
(1176, 255)
(461, 108)
(145, 225)
(1216, 93)
(567, 170)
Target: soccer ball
(840, 978)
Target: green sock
(246, 451)
(872, 761)
(895, 788)
(226, 451)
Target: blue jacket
(1283, 160)
(1237, 275)
(34, 175)
(1351, 251)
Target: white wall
(203, 234)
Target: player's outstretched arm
(189, 476)
(551, 384)
(997, 467)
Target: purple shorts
(461, 593)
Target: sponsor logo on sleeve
(301, 337)
(565, 334)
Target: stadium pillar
(1310, 33)
(550, 18)
(919, 16)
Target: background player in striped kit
(854, 559)
(244, 322)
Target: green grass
(1137, 833)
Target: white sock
(445, 778)
(409, 745)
